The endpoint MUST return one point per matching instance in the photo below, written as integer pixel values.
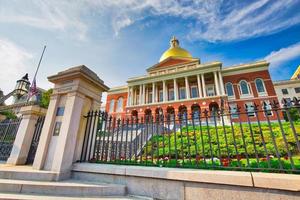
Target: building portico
(180, 81)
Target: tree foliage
(45, 99)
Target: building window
(194, 91)
(297, 89)
(171, 95)
(210, 91)
(244, 88)
(182, 94)
(150, 97)
(259, 83)
(267, 108)
(233, 111)
(284, 91)
(161, 96)
(120, 105)
(111, 106)
(250, 109)
(229, 89)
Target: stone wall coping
(33, 110)
(249, 179)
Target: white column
(128, 96)
(216, 83)
(153, 92)
(141, 95)
(131, 96)
(175, 90)
(203, 85)
(147, 96)
(164, 91)
(144, 92)
(199, 85)
(221, 83)
(187, 88)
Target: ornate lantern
(22, 86)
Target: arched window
(244, 87)
(120, 105)
(229, 89)
(111, 105)
(259, 83)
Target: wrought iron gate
(35, 139)
(8, 131)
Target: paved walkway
(9, 196)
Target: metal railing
(8, 131)
(257, 138)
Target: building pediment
(171, 62)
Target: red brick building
(181, 83)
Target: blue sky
(119, 39)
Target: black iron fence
(8, 131)
(35, 139)
(256, 138)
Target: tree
(46, 98)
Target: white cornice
(200, 69)
(245, 68)
(117, 90)
(286, 82)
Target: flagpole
(38, 67)
(36, 71)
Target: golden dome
(175, 51)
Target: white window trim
(265, 90)
(249, 89)
(179, 92)
(194, 86)
(233, 96)
(111, 106)
(210, 86)
(121, 108)
(268, 102)
(171, 90)
(250, 104)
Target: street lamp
(22, 86)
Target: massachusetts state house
(181, 83)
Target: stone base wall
(181, 184)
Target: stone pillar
(22, 143)
(221, 83)
(187, 88)
(199, 85)
(153, 92)
(164, 91)
(203, 85)
(76, 91)
(175, 90)
(216, 83)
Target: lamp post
(22, 86)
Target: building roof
(296, 73)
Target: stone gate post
(76, 91)
(21, 146)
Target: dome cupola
(175, 51)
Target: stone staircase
(25, 183)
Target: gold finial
(174, 42)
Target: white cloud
(276, 58)
(14, 63)
(213, 20)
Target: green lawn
(219, 144)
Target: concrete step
(10, 196)
(26, 173)
(68, 188)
